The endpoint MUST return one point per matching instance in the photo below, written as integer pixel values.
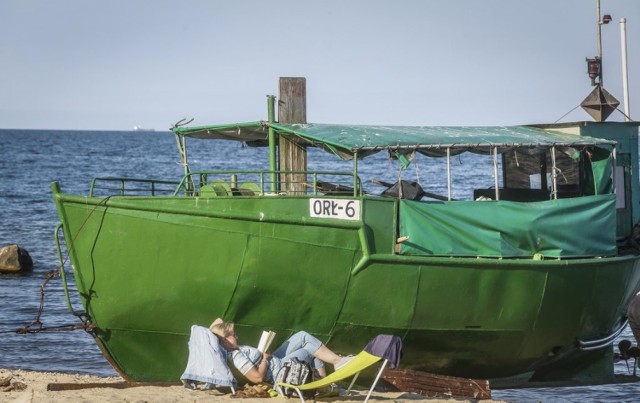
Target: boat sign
(341, 209)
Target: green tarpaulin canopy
(347, 140)
(249, 131)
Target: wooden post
(292, 108)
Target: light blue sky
(85, 64)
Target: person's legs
(302, 355)
(309, 344)
(326, 355)
(300, 340)
(319, 366)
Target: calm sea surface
(31, 160)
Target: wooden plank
(437, 386)
(56, 387)
(292, 108)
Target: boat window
(533, 171)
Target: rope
(618, 109)
(625, 115)
(562, 117)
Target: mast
(625, 76)
(599, 28)
(599, 103)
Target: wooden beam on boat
(292, 108)
(57, 387)
(436, 386)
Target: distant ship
(137, 128)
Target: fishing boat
(526, 275)
(138, 128)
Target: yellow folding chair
(353, 368)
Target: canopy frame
(353, 142)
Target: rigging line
(86, 325)
(625, 115)
(73, 239)
(182, 122)
(561, 117)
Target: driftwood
(436, 386)
(56, 387)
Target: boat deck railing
(266, 183)
(131, 187)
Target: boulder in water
(14, 259)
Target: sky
(110, 65)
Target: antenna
(599, 103)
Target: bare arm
(258, 372)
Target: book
(265, 340)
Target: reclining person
(263, 367)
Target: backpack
(294, 372)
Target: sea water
(31, 159)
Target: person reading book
(259, 366)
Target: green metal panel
(485, 316)
(380, 224)
(626, 136)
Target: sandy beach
(30, 386)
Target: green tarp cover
(601, 171)
(354, 137)
(345, 140)
(576, 227)
(249, 131)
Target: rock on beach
(14, 259)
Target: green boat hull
(147, 268)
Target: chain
(36, 326)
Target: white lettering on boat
(341, 209)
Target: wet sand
(30, 386)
